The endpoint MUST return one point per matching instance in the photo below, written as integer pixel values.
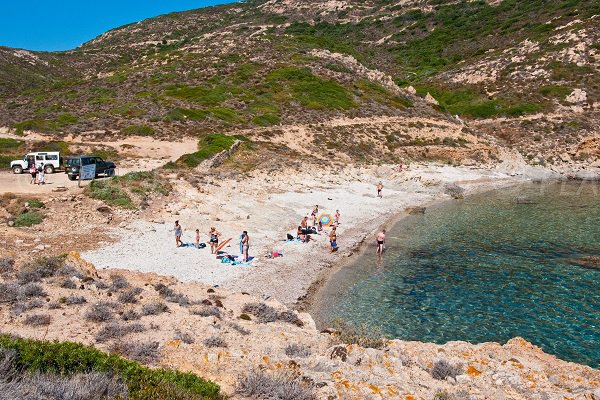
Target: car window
(53, 157)
(39, 158)
(73, 162)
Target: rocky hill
(509, 73)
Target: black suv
(73, 164)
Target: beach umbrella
(326, 219)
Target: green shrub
(555, 91)
(208, 146)
(182, 114)
(35, 203)
(266, 120)
(141, 130)
(29, 218)
(67, 358)
(311, 91)
(142, 182)
(109, 193)
(8, 145)
(205, 95)
(224, 114)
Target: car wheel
(17, 169)
(110, 172)
(49, 169)
(72, 177)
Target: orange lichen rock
(174, 343)
(374, 388)
(471, 370)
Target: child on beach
(197, 238)
(379, 189)
(333, 240)
(178, 233)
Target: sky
(48, 25)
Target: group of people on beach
(213, 240)
(38, 175)
(316, 227)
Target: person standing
(336, 218)
(33, 172)
(304, 223)
(178, 233)
(245, 246)
(333, 240)
(41, 175)
(214, 239)
(380, 242)
(379, 189)
(197, 238)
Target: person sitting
(300, 234)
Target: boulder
(591, 262)
(85, 267)
(415, 210)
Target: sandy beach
(269, 206)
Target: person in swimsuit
(197, 238)
(379, 189)
(333, 240)
(245, 246)
(313, 215)
(304, 224)
(214, 239)
(336, 218)
(300, 234)
(380, 242)
(178, 232)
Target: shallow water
(484, 269)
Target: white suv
(50, 160)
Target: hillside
(518, 74)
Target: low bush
(454, 190)
(66, 359)
(68, 284)
(7, 265)
(290, 317)
(29, 219)
(39, 268)
(362, 335)
(118, 282)
(206, 311)
(214, 341)
(130, 315)
(114, 330)
(73, 299)
(144, 352)
(184, 337)
(277, 386)
(154, 308)
(442, 369)
(130, 296)
(37, 320)
(297, 350)
(208, 146)
(110, 194)
(9, 292)
(35, 203)
(20, 307)
(30, 290)
(99, 312)
(261, 311)
(138, 130)
(238, 328)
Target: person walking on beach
(214, 239)
(197, 238)
(336, 218)
(379, 189)
(380, 242)
(313, 215)
(333, 240)
(178, 233)
(245, 246)
(41, 175)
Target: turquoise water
(484, 269)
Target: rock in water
(524, 200)
(415, 210)
(591, 262)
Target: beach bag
(290, 237)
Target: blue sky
(65, 24)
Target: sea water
(486, 268)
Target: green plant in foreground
(67, 358)
(29, 219)
(141, 130)
(109, 193)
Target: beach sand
(269, 205)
